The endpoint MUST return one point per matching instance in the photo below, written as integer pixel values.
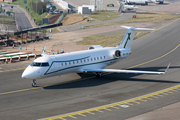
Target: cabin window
(69, 63)
(81, 61)
(77, 61)
(88, 60)
(101, 57)
(91, 59)
(94, 58)
(45, 64)
(61, 64)
(65, 63)
(97, 58)
(84, 60)
(73, 62)
(104, 57)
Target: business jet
(92, 60)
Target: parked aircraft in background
(130, 7)
(137, 2)
(93, 60)
(123, 6)
(158, 1)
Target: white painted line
(124, 106)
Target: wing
(126, 71)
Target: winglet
(167, 68)
(44, 52)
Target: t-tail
(44, 52)
(128, 38)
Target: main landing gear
(98, 74)
(34, 83)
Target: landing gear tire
(98, 75)
(34, 83)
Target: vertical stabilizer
(44, 52)
(128, 38)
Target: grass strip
(103, 16)
(107, 40)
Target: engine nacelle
(121, 53)
(95, 47)
(117, 54)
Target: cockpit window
(38, 64)
(35, 64)
(45, 64)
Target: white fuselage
(136, 1)
(51, 65)
(93, 60)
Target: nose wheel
(98, 74)
(34, 83)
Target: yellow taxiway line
(117, 105)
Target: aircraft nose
(24, 74)
(31, 73)
(27, 73)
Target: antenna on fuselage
(44, 52)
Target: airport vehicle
(56, 11)
(61, 11)
(48, 5)
(3, 5)
(110, 5)
(92, 60)
(52, 8)
(159, 1)
(51, 12)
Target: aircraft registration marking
(117, 105)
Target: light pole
(95, 5)
(42, 13)
(36, 11)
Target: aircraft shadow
(108, 78)
(129, 11)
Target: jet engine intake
(117, 54)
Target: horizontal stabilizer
(137, 29)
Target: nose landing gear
(34, 83)
(98, 74)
